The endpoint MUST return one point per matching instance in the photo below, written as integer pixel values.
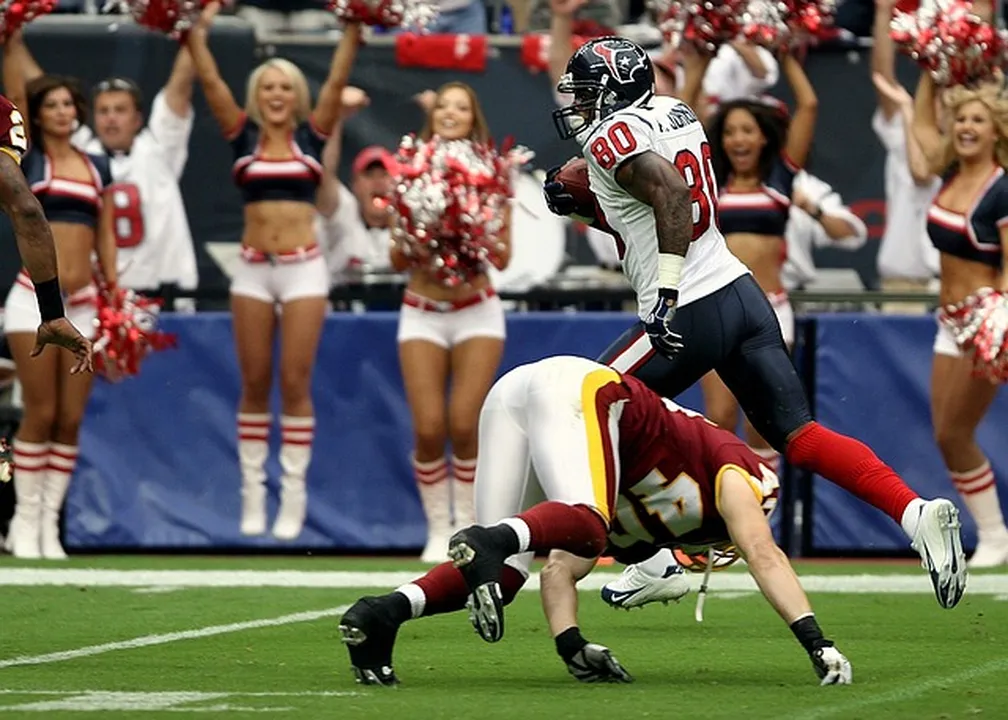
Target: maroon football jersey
(671, 460)
(13, 138)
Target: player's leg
(424, 359)
(478, 345)
(39, 396)
(738, 502)
(760, 373)
(254, 322)
(958, 404)
(301, 321)
(573, 431)
(720, 406)
(503, 487)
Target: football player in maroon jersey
(35, 241)
(617, 465)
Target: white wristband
(669, 269)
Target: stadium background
(158, 466)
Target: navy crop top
(295, 178)
(975, 235)
(763, 211)
(62, 199)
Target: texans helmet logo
(621, 60)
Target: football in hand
(574, 176)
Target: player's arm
(769, 567)
(33, 234)
(330, 100)
(218, 95)
(654, 181)
(586, 661)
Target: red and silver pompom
(979, 325)
(707, 24)
(949, 41)
(385, 13)
(172, 17)
(126, 333)
(447, 200)
(778, 23)
(16, 13)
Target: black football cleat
(369, 632)
(480, 559)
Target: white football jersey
(668, 127)
(155, 244)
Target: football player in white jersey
(649, 167)
(152, 231)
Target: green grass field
(149, 637)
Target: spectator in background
(459, 17)
(818, 218)
(71, 188)
(907, 261)
(277, 141)
(449, 333)
(269, 17)
(148, 216)
(353, 223)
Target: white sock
(979, 493)
(911, 517)
(253, 446)
(657, 564)
(416, 597)
(521, 529)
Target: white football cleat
(939, 544)
(636, 588)
(991, 551)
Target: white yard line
(732, 581)
(165, 638)
(906, 692)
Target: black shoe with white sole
(369, 630)
(480, 556)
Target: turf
(911, 659)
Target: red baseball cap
(373, 155)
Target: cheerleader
(282, 284)
(70, 186)
(968, 223)
(450, 345)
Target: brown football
(574, 176)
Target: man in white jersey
(649, 167)
(152, 231)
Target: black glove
(589, 662)
(658, 324)
(558, 200)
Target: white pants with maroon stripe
(21, 310)
(281, 278)
(447, 326)
(540, 438)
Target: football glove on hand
(589, 662)
(831, 666)
(558, 200)
(595, 663)
(658, 324)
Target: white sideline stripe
(222, 693)
(907, 692)
(164, 638)
(733, 581)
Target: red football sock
(446, 591)
(557, 526)
(851, 465)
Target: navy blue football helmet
(604, 75)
